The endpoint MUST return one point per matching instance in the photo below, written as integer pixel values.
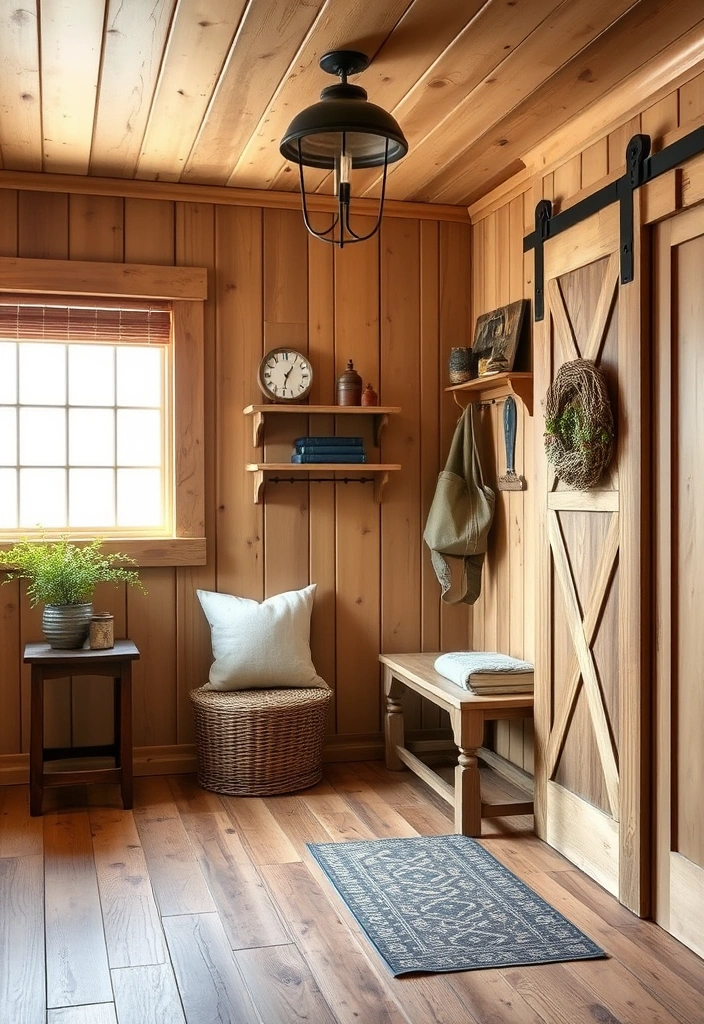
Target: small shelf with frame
(290, 472)
(497, 386)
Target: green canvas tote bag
(459, 518)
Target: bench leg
(393, 720)
(468, 731)
(468, 799)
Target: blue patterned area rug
(442, 903)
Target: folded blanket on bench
(486, 672)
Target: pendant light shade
(340, 133)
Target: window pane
(91, 497)
(8, 499)
(139, 375)
(42, 498)
(139, 497)
(91, 437)
(42, 437)
(138, 437)
(42, 374)
(8, 437)
(8, 371)
(91, 375)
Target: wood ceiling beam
(177, 192)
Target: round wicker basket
(260, 742)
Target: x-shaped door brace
(583, 628)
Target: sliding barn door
(679, 531)
(589, 686)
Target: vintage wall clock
(285, 375)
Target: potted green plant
(62, 576)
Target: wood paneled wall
(504, 615)
(395, 305)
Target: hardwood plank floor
(212, 910)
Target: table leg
(468, 731)
(125, 745)
(116, 719)
(36, 742)
(393, 720)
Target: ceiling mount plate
(344, 62)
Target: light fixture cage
(343, 124)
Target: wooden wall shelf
(258, 413)
(290, 470)
(496, 387)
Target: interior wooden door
(589, 684)
(679, 522)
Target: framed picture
(496, 336)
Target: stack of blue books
(328, 449)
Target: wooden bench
(468, 713)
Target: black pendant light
(341, 132)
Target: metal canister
(349, 386)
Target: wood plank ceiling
(201, 91)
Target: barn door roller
(640, 168)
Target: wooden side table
(48, 663)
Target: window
(84, 415)
(101, 405)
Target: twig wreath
(579, 426)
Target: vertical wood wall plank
(10, 669)
(43, 234)
(502, 553)
(401, 526)
(96, 232)
(529, 531)
(618, 140)
(659, 119)
(239, 348)
(96, 228)
(568, 179)
(321, 519)
(691, 100)
(455, 292)
(195, 247)
(286, 514)
(595, 162)
(358, 607)
(479, 275)
(433, 378)
(151, 620)
(149, 231)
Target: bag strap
(463, 457)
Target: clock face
(285, 375)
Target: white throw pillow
(260, 645)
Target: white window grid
(163, 465)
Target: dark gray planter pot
(66, 626)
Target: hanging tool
(510, 481)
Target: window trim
(186, 288)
